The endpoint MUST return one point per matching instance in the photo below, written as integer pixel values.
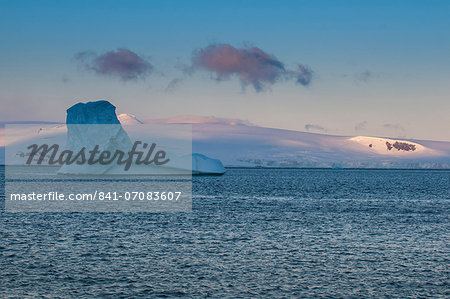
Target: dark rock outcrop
(401, 146)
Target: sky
(376, 68)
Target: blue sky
(379, 67)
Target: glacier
(240, 143)
(253, 146)
(236, 143)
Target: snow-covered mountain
(239, 143)
(195, 119)
(128, 119)
(257, 146)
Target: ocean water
(252, 233)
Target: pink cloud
(122, 63)
(251, 65)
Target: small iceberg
(206, 166)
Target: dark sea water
(252, 233)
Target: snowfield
(252, 146)
(395, 147)
(240, 144)
(128, 119)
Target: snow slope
(256, 146)
(128, 119)
(238, 143)
(195, 119)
